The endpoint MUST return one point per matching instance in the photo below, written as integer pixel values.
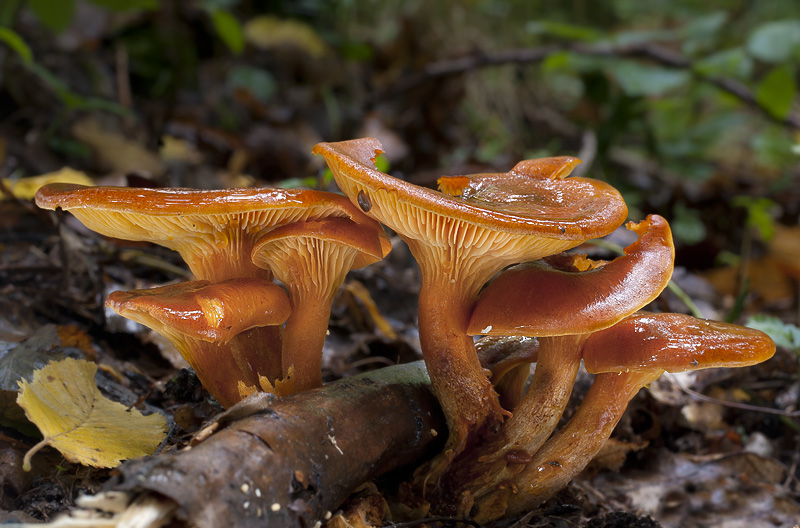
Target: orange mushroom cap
(205, 320)
(312, 258)
(673, 343)
(213, 230)
(531, 199)
(213, 312)
(538, 299)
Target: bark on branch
(291, 463)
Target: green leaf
(259, 83)
(15, 42)
(759, 214)
(702, 31)
(773, 147)
(55, 14)
(784, 334)
(776, 42)
(686, 225)
(229, 30)
(382, 163)
(566, 31)
(776, 91)
(732, 62)
(637, 79)
(126, 5)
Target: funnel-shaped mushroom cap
(538, 299)
(213, 312)
(673, 343)
(312, 258)
(365, 241)
(528, 212)
(214, 231)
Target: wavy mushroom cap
(674, 343)
(214, 230)
(547, 298)
(529, 212)
(212, 312)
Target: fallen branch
(287, 465)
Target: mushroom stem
(468, 398)
(568, 451)
(551, 386)
(493, 463)
(303, 339)
(255, 354)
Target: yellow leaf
(25, 188)
(75, 418)
(268, 32)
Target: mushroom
(627, 357)
(560, 305)
(463, 236)
(312, 258)
(213, 230)
(202, 319)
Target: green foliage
(637, 79)
(776, 42)
(777, 90)
(16, 43)
(126, 5)
(55, 14)
(686, 224)
(229, 30)
(759, 214)
(259, 83)
(784, 334)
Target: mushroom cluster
(228, 323)
(499, 293)
(490, 248)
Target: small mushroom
(213, 230)
(561, 306)
(630, 355)
(312, 258)
(202, 319)
(463, 236)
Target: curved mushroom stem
(495, 463)
(461, 384)
(541, 409)
(568, 451)
(214, 365)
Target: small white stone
(246, 504)
(258, 492)
(275, 507)
(245, 488)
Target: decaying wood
(291, 463)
